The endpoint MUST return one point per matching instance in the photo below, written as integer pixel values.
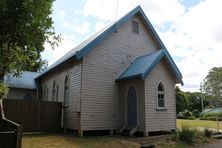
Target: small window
(44, 93)
(160, 96)
(135, 27)
(57, 93)
(27, 97)
(47, 94)
(66, 92)
(53, 91)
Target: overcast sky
(190, 29)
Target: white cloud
(163, 11)
(198, 35)
(81, 28)
(67, 43)
(62, 14)
(195, 34)
(106, 9)
(99, 26)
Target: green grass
(198, 123)
(70, 141)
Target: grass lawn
(70, 141)
(198, 123)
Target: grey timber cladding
(123, 87)
(19, 93)
(73, 70)
(104, 64)
(165, 119)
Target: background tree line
(190, 103)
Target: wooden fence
(34, 116)
(10, 134)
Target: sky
(190, 29)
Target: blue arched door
(131, 107)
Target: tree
(181, 100)
(25, 25)
(212, 86)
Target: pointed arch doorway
(131, 107)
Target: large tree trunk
(2, 115)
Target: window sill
(161, 109)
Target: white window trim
(164, 97)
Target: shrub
(187, 134)
(186, 114)
(196, 113)
(208, 132)
(3, 90)
(211, 116)
(174, 135)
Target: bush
(211, 116)
(186, 114)
(188, 134)
(3, 90)
(196, 113)
(174, 135)
(208, 132)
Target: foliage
(24, 28)
(3, 90)
(186, 114)
(174, 135)
(208, 132)
(212, 85)
(187, 134)
(181, 100)
(196, 113)
(211, 116)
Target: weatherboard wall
(157, 120)
(19, 93)
(102, 66)
(123, 88)
(71, 116)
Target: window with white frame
(161, 96)
(66, 91)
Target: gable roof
(143, 65)
(82, 49)
(26, 80)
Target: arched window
(53, 91)
(27, 97)
(66, 91)
(47, 94)
(57, 93)
(44, 93)
(160, 96)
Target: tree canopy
(25, 25)
(212, 85)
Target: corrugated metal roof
(139, 66)
(143, 65)
(86, 46)
(25, 80)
